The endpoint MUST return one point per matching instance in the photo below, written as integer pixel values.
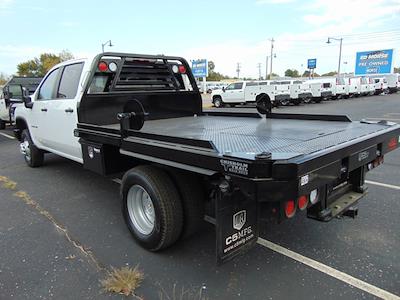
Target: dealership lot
(60, 243)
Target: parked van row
(290, 91)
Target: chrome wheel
(26, 149)
(141, 209)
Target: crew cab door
(58, 111)
(234, 93)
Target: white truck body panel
(51, 122)
(3, 109)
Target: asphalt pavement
(61, 229)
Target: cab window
(47, 89)
(69, 81)
(238, 86)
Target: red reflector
(182, 69)
(290, 208)
(302, 202)
(392, 144)
(102, 66)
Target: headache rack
(141, 73)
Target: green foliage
(39, 66)
(332, 73)
(273, 75)
(292, 73)
(214, 76)
(307, 74)
(396, 70)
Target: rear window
(251, 83)
(70, 81)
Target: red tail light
(392, 144)
(182, 69)
(102, 66)
(302, 202)
(290, 208)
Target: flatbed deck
(243, 135)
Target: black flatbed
(245, 137)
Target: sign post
(200, 70)
(374, 62)
(311, 65)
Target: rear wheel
(307, 100)
(2, 125)
(151, 207)
(34, 157)
(285, 102)
(318, 100)
(218, 102)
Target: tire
(317, 100)
(2, 125)
(34, 157)
(232, 105)
(192, 194)
(307, 100)
(218, 102)
(166, 207)
(284, 102)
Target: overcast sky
(225, 31)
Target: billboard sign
(374, 62)
(312, 63)
(200, 68)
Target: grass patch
(123, 281)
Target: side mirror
(223, 89)
(26, 98)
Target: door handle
(44, 109)
(69, 110)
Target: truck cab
(52, 116)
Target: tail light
(102, 66)
(302, 202)
(290, 208)
(392, 144)
(182, 69)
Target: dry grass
(123, 281)
(7, 183)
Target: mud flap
(236, 225)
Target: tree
(212, 75)
(332, 73)
(273, 75)
(307, 74)
(396, 70)
(292, 73)
(39, 66)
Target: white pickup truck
(4, 113)
(243, 92)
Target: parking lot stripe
(390, 186)
(362, 285)
(7, 136)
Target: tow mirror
(26, 98)
(223, 89)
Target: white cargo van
(393, 82)
(380, 85)
(354, 86)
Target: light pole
(266, 65)
(272, 49)
(105, 44)
(340, 51)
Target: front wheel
(218, 102)
(34, 157)
(151, 207)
